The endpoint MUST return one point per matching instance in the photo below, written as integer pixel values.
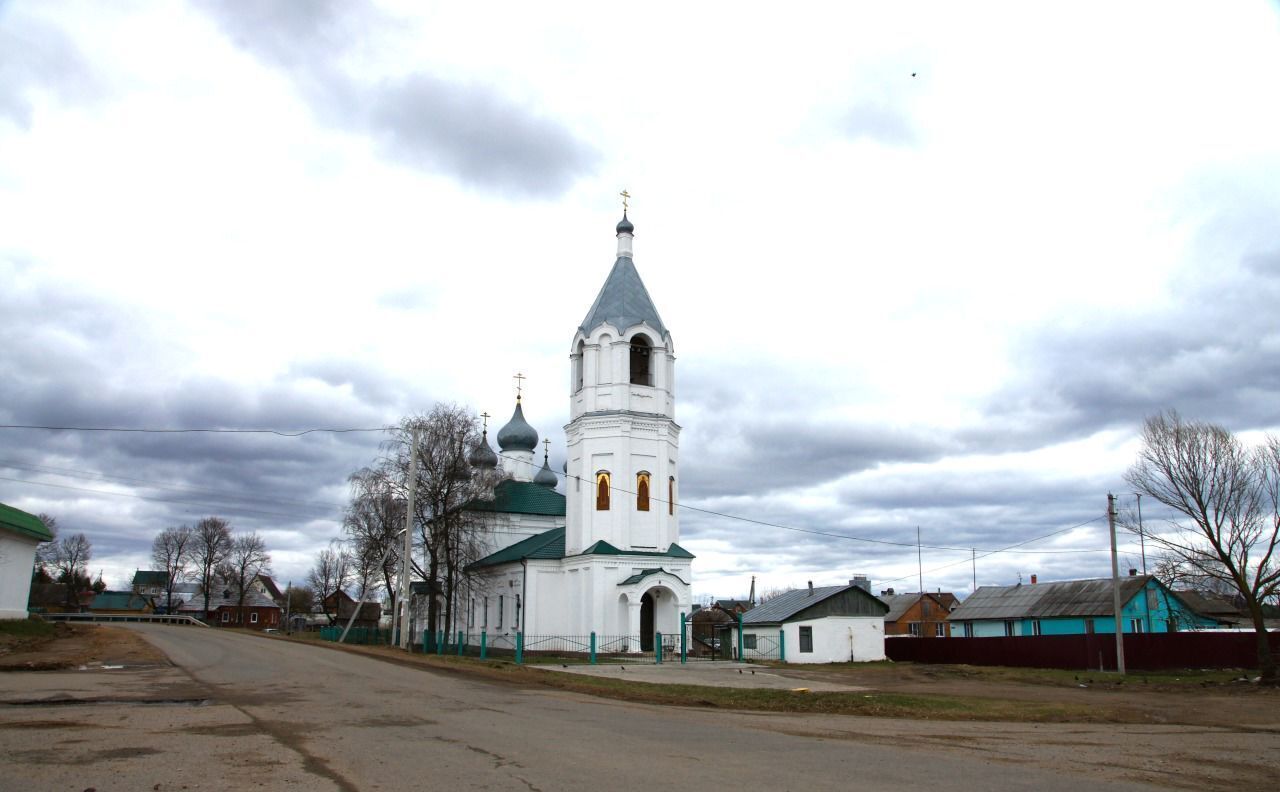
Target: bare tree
(1225, 503)
(247, 558)
(212, 543)
(45, 550)
(445, 531)
(70, 560)
(330, 574)
(171, 551)
(374, 521)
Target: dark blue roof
(517, 435)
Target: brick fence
(1142, 652)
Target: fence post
(593, 647)
(439, 642)
(461, 636)
(782, 646)
(740, 657)
(684, 646)
(519, 648)
(424, 641)
(484, 647)
(657, 647)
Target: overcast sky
(924, 266)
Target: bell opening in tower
(641, 357)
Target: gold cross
(485, 416)
(625, 195)
(519, 378)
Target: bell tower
(622, 439)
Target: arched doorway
(646, 622)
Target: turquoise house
(1074, 607)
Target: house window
(671, 495)
(471, 613)
(602, 491)
(577, 367)
(1136, 626)
(968, 629)
(939, 630)
(641, 354)
(914, 628)
(806, 639)
(642, 491)
(1088, 626)
(1010, 629)
(749, 641)
(485, 616)
(253, 617)
(500, 608)
(1035, 627)
(924, 608)
(517, 619)
(226, 617)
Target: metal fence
(358, 635)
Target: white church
(605, 556)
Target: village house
(1073, 607)
(830, 624)
(918, 615)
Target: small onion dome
(625, 226)
(482, 456)
(517, 435)
(545, 476)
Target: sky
(927, 268)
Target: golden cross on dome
(625, 197)
(486, 417)
(546, 446)
(519, 378)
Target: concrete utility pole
(405, 638)
(1142, 536)
(1115, 583)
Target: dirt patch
(70, 646)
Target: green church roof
(28, 525)
(150, 577)
(549, 544)
(522, 497)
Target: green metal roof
(604, 548)
(28, 525)
(644, 573)
(549, 544)
(150, 577)
(118, 600)
(522, 497)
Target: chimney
(861, 581)
(1033, 580)
(810, 588)
(1133, 573)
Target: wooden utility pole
(1115, 583)
(406, 641)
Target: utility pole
(406, 641)
(973, 557)
(1142, 539)
(1115, 583)
(919, 563)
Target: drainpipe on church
(524, 591)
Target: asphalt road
(241, 712)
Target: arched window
(579, 363)
(641, 356)
(642, 492)
(602, 491)
(671, 495)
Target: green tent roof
(522, 497)
(28, 525)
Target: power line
(281, 433)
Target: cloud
(880, 122)
(471, 132)
(37, 58)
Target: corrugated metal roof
(150, 577)
(788, 604)
(522, 497)
(548, 544)
(898, 604)
(1047, 600)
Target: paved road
(246, 712)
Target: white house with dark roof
(828, 624)
(604, 557)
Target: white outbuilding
(20, 534)
(828, 624)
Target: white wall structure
(613, 566)
(831, 624)
(20, 534)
